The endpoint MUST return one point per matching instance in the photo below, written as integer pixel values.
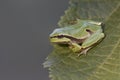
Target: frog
(79, 37)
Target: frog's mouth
(65, 39)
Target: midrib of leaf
(112, 12)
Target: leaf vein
(117, 43)
(109, 70)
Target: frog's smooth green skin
(79, 37)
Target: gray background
(24, 29)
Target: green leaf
(97, 10)
(103, 61)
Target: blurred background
(24, 29)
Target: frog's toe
(84, 52)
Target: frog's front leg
(92, 40)
(74, 47)
(95, 38)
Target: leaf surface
(103, 61)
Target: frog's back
(78, 30)
(81, 28)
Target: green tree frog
(79, 37)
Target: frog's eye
(60, 36)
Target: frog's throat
(79, 41)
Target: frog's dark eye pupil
(60, 36)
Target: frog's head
(60, 36)
(67, 34)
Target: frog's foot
(75, 47)
(84, 52)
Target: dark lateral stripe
(70, 37)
